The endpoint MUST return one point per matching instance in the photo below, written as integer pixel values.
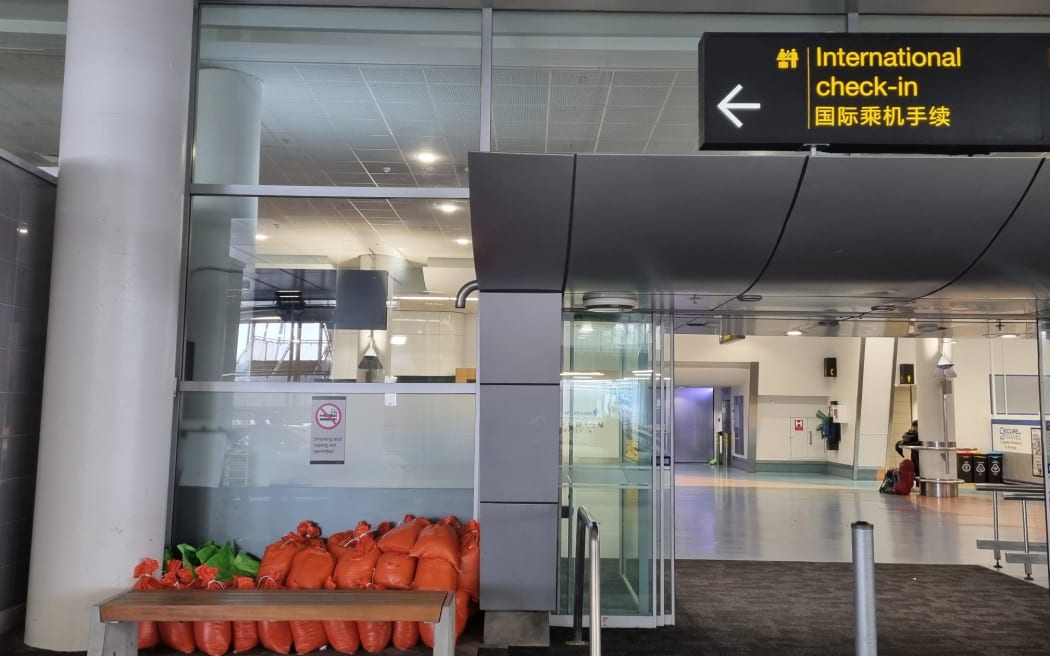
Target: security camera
(944, 363)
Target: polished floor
(732, 515)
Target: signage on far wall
(922, 92)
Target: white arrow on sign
(727, 105)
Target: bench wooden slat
(275, 605)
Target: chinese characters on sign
(875, 116)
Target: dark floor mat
(795, 609)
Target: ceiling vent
(610, 302)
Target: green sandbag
(245, 564)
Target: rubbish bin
(964, 461)
(995, 467)
(980, 467)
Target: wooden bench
(114, 626)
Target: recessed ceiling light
(398, 340)
(261, 237)
(426, 157)
(883, 308)
(1008, 336)
(448, 208)
(462, 242)
(23, 230)
(793, 333)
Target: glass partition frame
(617, 460)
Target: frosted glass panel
(243, 473)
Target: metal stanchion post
(864, 588)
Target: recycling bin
(995, 467)
(980, 467)
(964, 465)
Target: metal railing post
(587, 532)
(864, 588)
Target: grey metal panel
(519, 556)
(519, 433)
(520, 338)
(680, 223)
(519, 216)
(1016, 264)
(892, 226)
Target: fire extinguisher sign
(328, 431)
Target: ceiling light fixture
(261, 237)
(793, 333)
(447, 208)
(426, 157)
(462, 241)
(1008, 336)
(23, 230)
(398, 340)
(577, 374)
(273, 318)
(609, 302)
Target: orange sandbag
(177, 635)
(311, 567)
(212, 638)
(426, 630)
(375, 636)
(395, 571)
(308, 635)
(470, 560)
(342, 636)
(402, 538)
(275, 636)
(357, 564)
(278, 557)
(144, 580)
(435, 574)
(437, 541)
(340, 543)
(245, 634)
(406, 634)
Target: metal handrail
(585, 525)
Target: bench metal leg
(445, 629)
(995, 528)
(112, 638)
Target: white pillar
(109, 380)
(936, 409)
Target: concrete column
(109, 378)
(519, 429)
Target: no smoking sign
(328, 432)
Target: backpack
(905, 477)
(889, 482)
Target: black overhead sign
(875, 91)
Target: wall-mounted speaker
(907, 374)
(831, 369)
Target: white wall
(975, 360)
(874, 420)
(788, 367)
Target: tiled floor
(738, 516)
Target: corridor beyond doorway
(732, 515)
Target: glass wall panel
(283, 289)
(608, 83)
(244, 467)
(32, 62)
(607, 454)
(337, 96)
